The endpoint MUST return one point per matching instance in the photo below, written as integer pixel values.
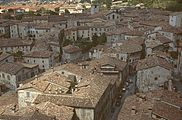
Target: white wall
(85, 114)
(175, 20)
(14, 31)
(44, 63)
(146, 78)
(24, 49)
(26, 97)
(9, 80)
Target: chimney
(170, 86)
(150, 110)
(13, 109)
(133, 110)
(36, 76)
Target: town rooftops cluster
(152, 105)
(44, 111)
(14, 42)
(56, 88)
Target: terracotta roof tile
(11, 68)
(39, 54)
(153, 61)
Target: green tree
(42, 10)
(143, 54)
(19, 16)
(7, 16)
(57, 9)
(108, 3)
(67, 11)
(95, 40)
(67, 42)
(102, 39)
(10, 11)
(61, 41)
(30, 13)
(49, 12)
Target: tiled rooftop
(39, 54)
(139, 106)
(11, 68)
(4, 56)
(153, 61)
(14, 42)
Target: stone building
(153, 105)
(175, 19)
(152, 73)
(15, 45)
(5, 57)
(72, 86)
(12, 74)
(45, 59)
(71, 53)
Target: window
(42, 61)
(28, 94)
(3, 75)
(8, 77)
(62, 72)
(34, 61)
(113, 16)
(43, 66)
(156, 78)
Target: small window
(156, 78)
(42, 61)
(28, 94)
(8, 77)
(34, 61)
(62, 72)
(3, 75)
(43, 66)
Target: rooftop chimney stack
(133, 110)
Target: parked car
(120, 97)
(118, 103)
(130, 81)
(124, 89)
